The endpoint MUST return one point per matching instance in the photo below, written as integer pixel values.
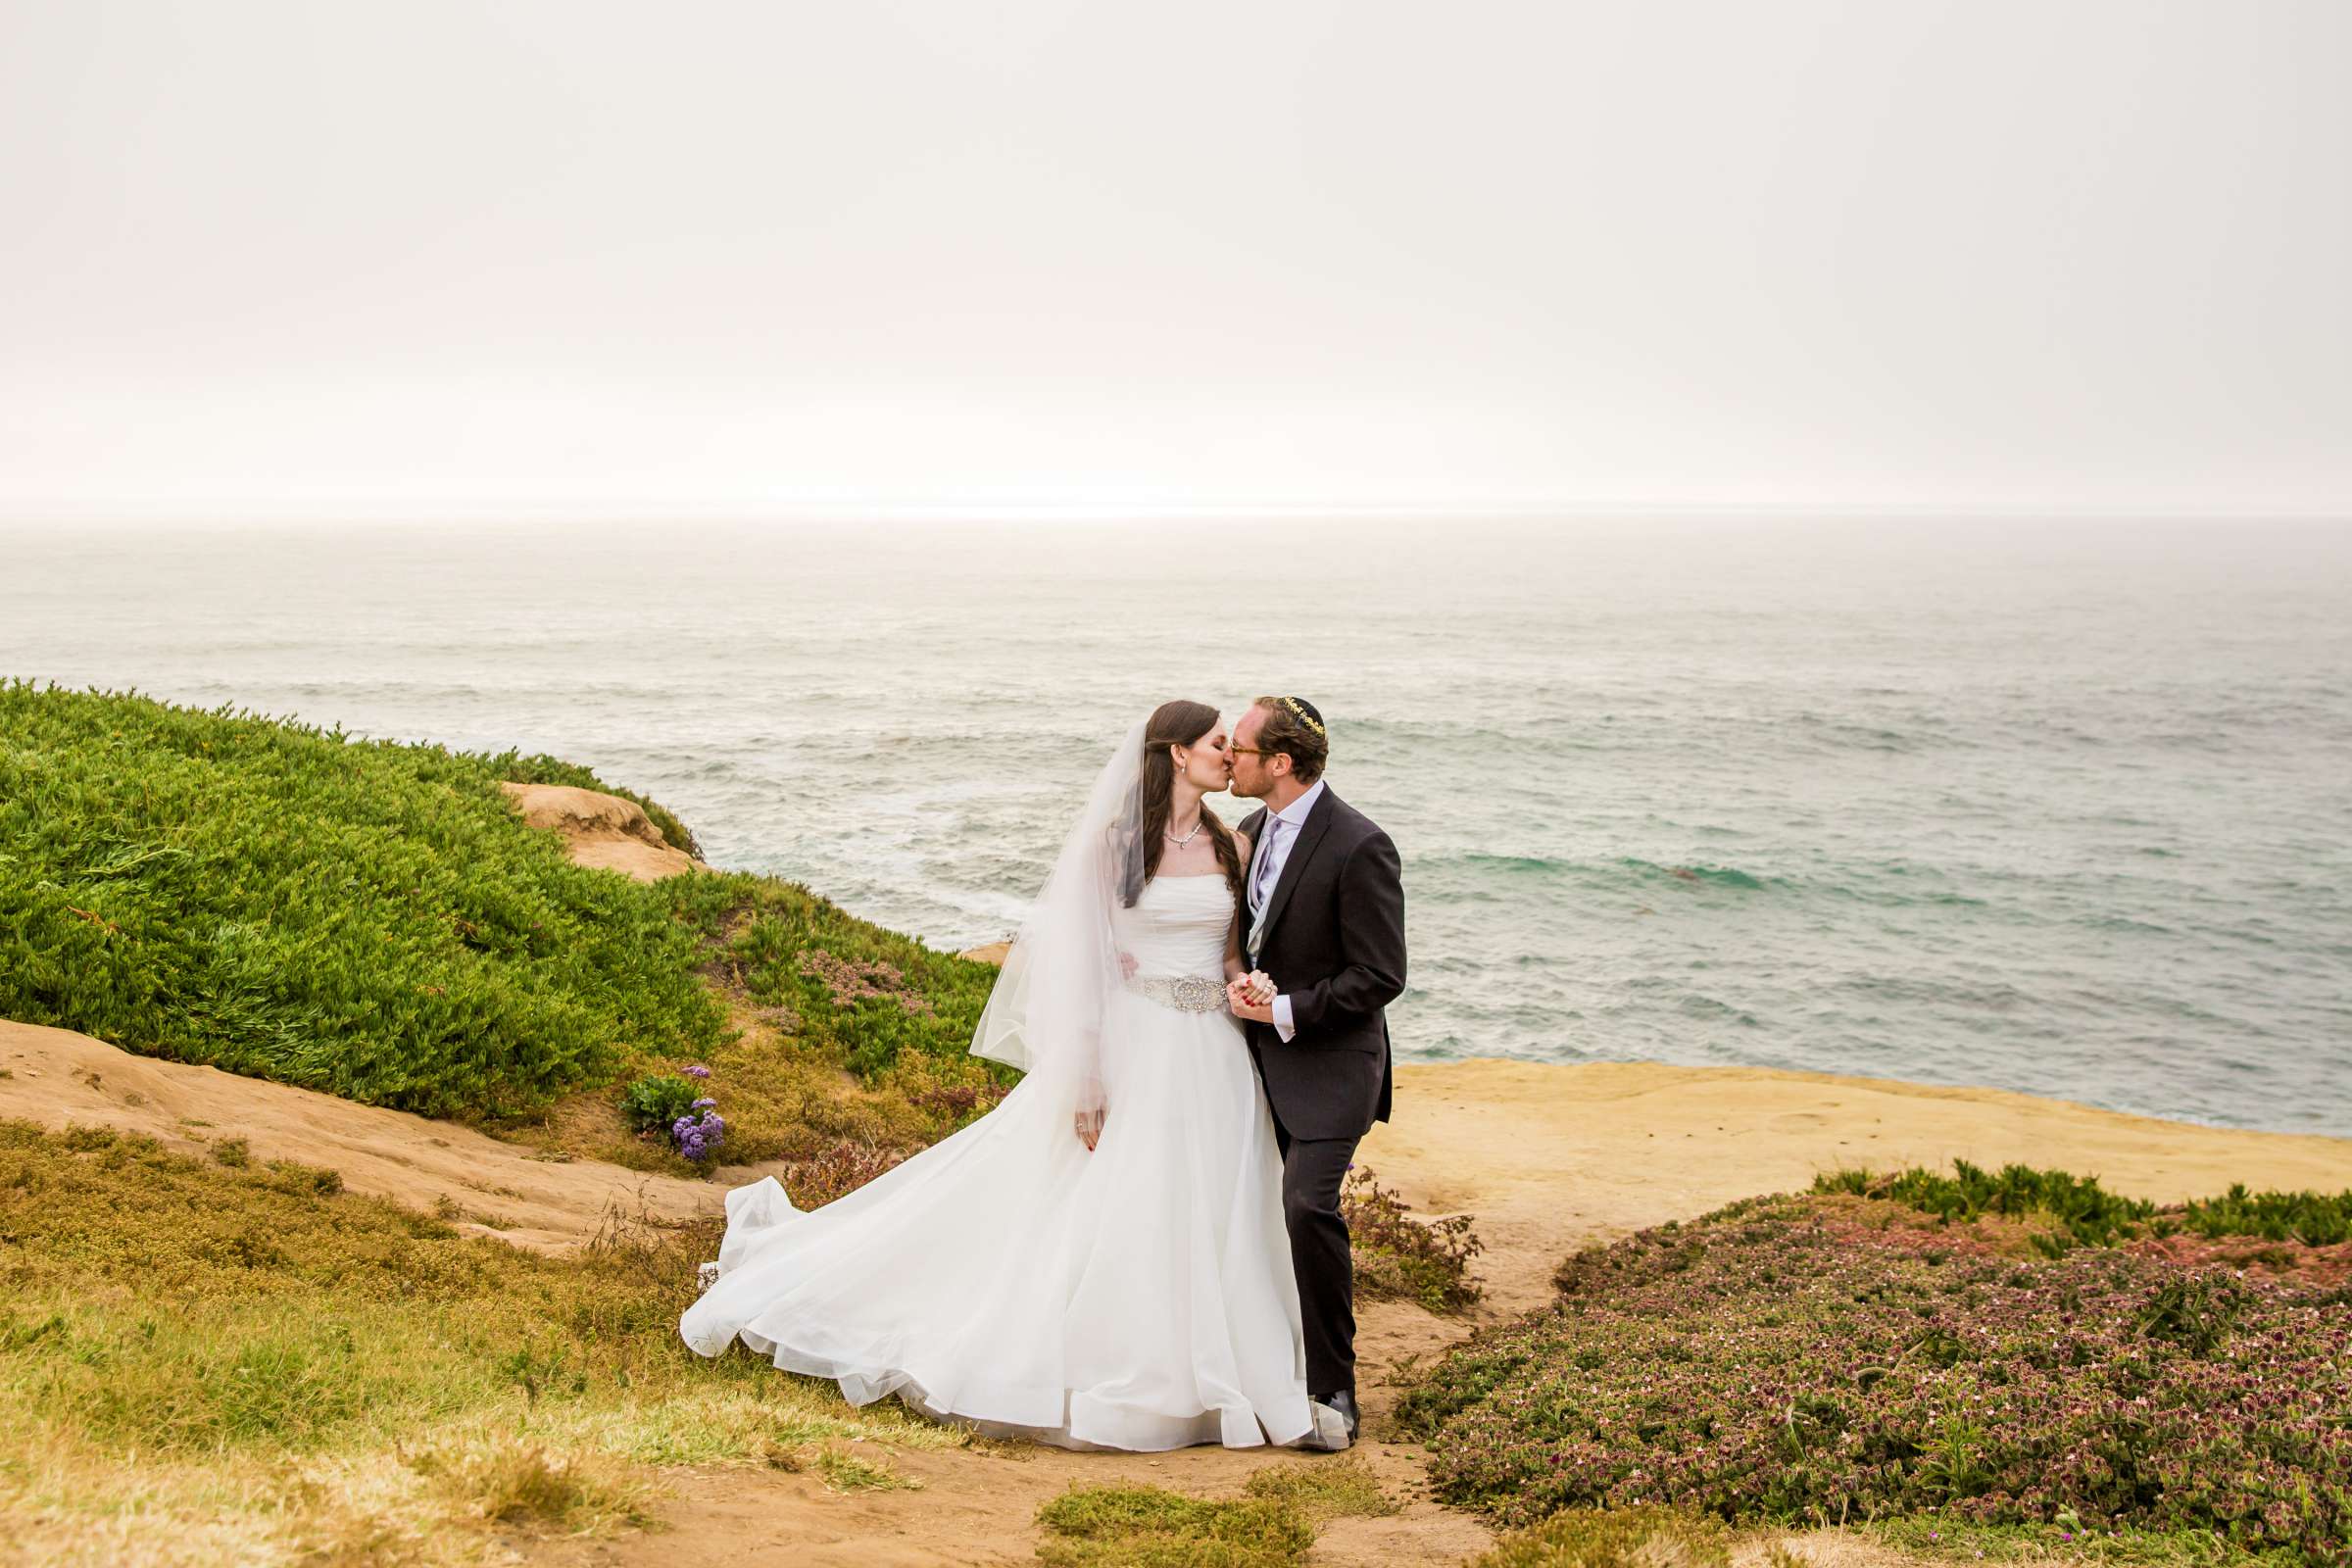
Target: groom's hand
(1242, 1003)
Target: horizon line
(576, 511)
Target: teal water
(2054, 806)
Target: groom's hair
(1294, 728)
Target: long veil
(1045, 1015)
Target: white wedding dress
(1138, 1296)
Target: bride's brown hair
(1178, 723)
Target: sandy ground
(602, 830)
(1548, 1157)
(57, 1078)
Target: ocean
(2048, 805)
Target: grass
(1271, 1525)
(1644, 1537)
(1151, 1527)
(847, 1472)
(1322, 1489)
(207, 1363)
(1962, 1539)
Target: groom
(1324, 917)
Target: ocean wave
(1722, 876)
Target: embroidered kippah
(1305, 718)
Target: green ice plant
(370, 918)
(363, 917)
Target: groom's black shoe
(1340, 1417)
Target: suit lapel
(1311, 834)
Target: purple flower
(698, 1134)
(697, 1071)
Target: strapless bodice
(1177, 926)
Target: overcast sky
(303, 257)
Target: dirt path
(55, 1077)
(1548, 1158)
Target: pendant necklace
(1183, 842)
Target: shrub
(2310, 1219)
(2090, 1215)
(1799, 1358)
(2078, 1206)
(835, 1170)
(1400, 1257)
(656, 1101)
(866, 996)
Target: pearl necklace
(1186, 841)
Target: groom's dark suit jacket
(1335, 945)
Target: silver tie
(1265, 863)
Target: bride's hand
(1128, 965)
(1240, 1001)
(1090, 1128)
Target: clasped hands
(1251, 997)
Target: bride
(1100, 1262)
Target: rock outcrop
(603, 831)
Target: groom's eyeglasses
(1250, 751)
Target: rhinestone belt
(1187, 992)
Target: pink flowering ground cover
(1831, 1357)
